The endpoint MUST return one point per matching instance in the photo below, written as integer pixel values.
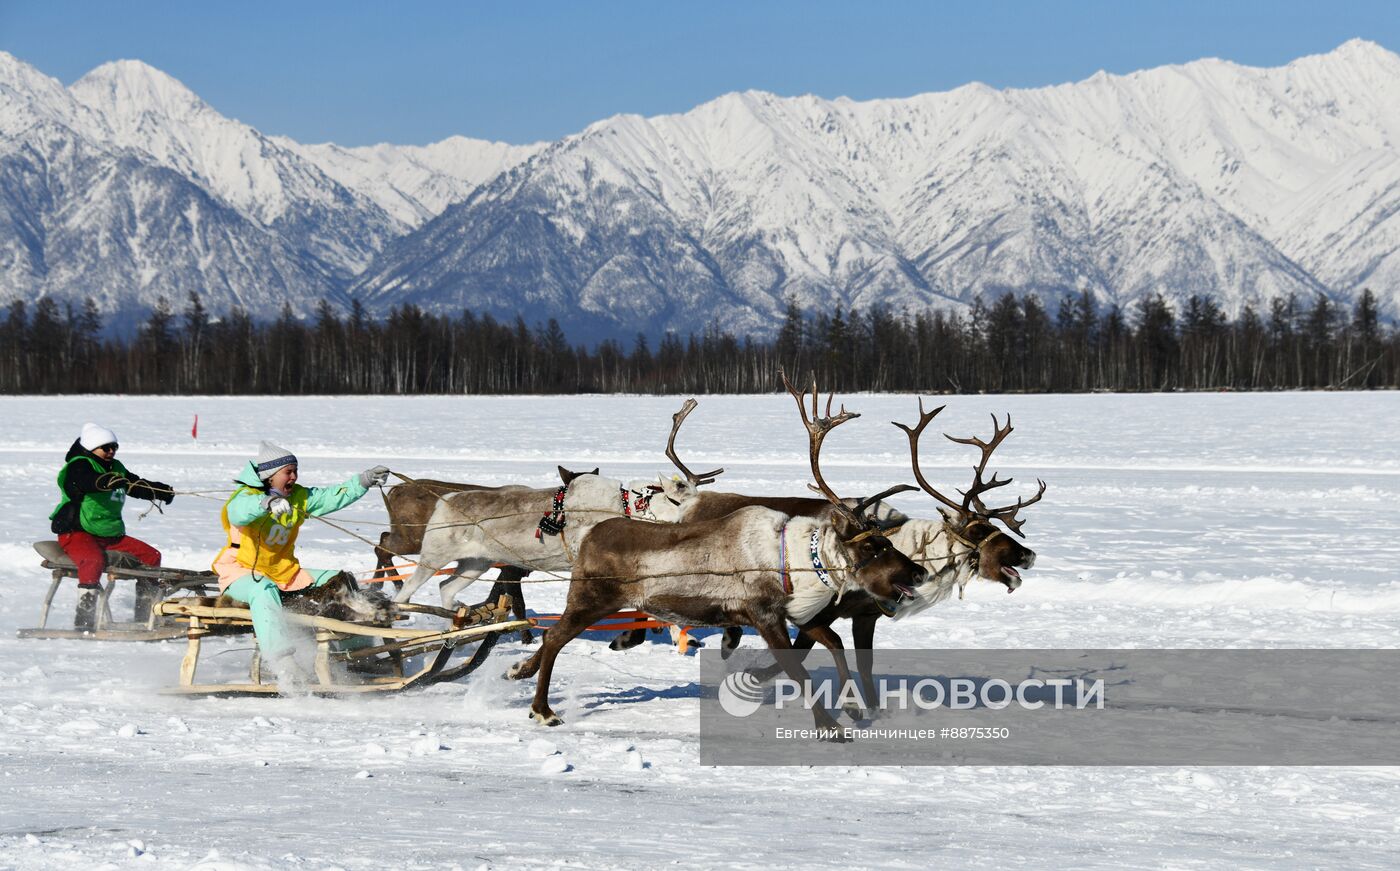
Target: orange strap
(623, 620)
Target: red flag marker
(194, 430)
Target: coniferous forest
(1007, 344)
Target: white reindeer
(536, 529)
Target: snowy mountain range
(1208, 177)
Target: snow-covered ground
(1170, 521)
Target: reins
(784, 570)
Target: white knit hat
(94, 437)
(271, 458)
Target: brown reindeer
(411, 503)
(700, 504)
(964, 543)
(730, 571)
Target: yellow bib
(266, 545)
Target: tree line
(1008, 344)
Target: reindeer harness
(814, 546)
(812, 590)
(634, 502)
(553, 521)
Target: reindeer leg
(468, 570)
(426, 569)
(384, 560)
(510, 578)
(802, 642)
(832, 642)
(863, 634)
(627, 639)
(775, 633)
(570, 624)
(732, 636)
(527, 667)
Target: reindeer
(754, 567)
(697, 504)
(411, 503)
(961, 545)
(539, 529)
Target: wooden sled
(334, 675)
(120, 566)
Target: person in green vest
(258, 564)
(93, 487)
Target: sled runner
(153, 584)
(382, 667)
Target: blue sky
(363, 72)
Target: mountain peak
(128, 86)
(20, 76)
(28, 97)
(1354, 53)
(1358, 47)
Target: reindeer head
(652, 500)
(675, 489)
(994, 555)
(877, 566)
(567, 476)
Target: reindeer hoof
(519, 671)
(831, 731)
(549, 719)
(527, 637)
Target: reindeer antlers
(972, 504)
(817, 428)
(972, 497)
(676, 420)
(914, 434)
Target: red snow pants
(88, 551)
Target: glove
(108, 481)
(161, 492)
(374, 477)
(276, 505)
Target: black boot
(85, 620)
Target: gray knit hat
(271, 458)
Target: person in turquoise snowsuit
(261, 521)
